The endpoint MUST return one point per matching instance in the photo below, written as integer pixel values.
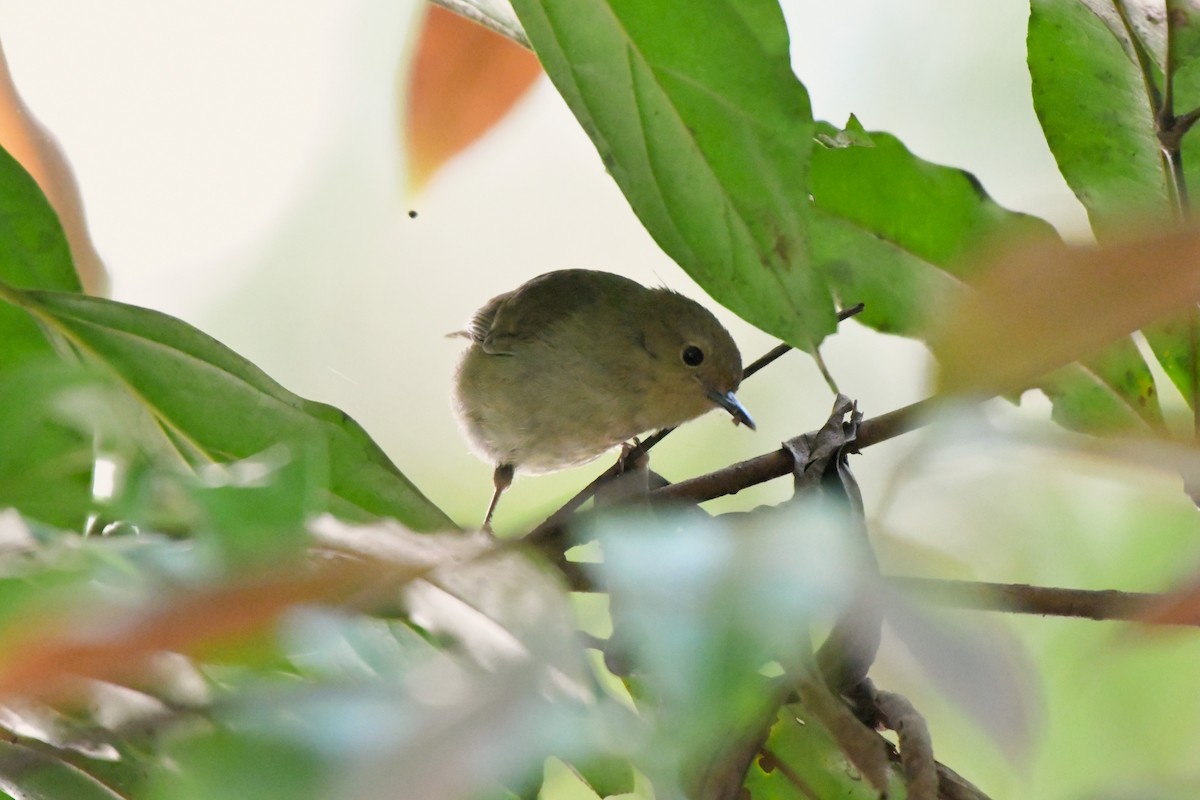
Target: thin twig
(744, 474)
(1020, 598)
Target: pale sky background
(241, 170)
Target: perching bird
(575, 362)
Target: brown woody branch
(1047, 601)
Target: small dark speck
(412, 214)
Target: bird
(575, 362)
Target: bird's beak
(729, 402)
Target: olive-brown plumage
(575, 362)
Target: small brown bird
(575, 362)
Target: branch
(744, 474)
(1020, 598)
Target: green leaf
(896, 229)
(1098, 83)
(605, 775)
(46, 459)
(801, 760)
(1111, 392)
(255, 510)
(1095, 107)
(32, 775)
(695, 112)
(226, 764)
(698, 610)
(33, 255)
(217, 407)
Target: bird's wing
(528, 312)
(480, 326)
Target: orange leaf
(50, 655)
(1043, 306)
(39, 153)
(464, 79)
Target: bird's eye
(693, 356)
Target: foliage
(262, 604)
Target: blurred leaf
(606, 776)
(1091, 97)
(40, 153)
(1181, 608)
(495, 604)
(464, 80)
(216, 406)
(802, 761)
(27, 774)
(46, 459)
(227, 764)
(696, 114)
(45, 724)
(700, 609)
(256, 508)
(980, 668)
(50, 653)
(33, 255)
(896, 228)
(1038, 308)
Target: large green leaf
(1094, 103)
(698, 117)
(217, 406)
(897, 231)
(33, 255)
(1099, 89)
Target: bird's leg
(502, 478)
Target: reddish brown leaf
(464, 79)
(52, 654)
(1181, 607)
(1043, 306)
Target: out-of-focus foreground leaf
(1040, 307)
(464, 79)
(46, 459)
(213, 405)
(30, 774)
(700, 609)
